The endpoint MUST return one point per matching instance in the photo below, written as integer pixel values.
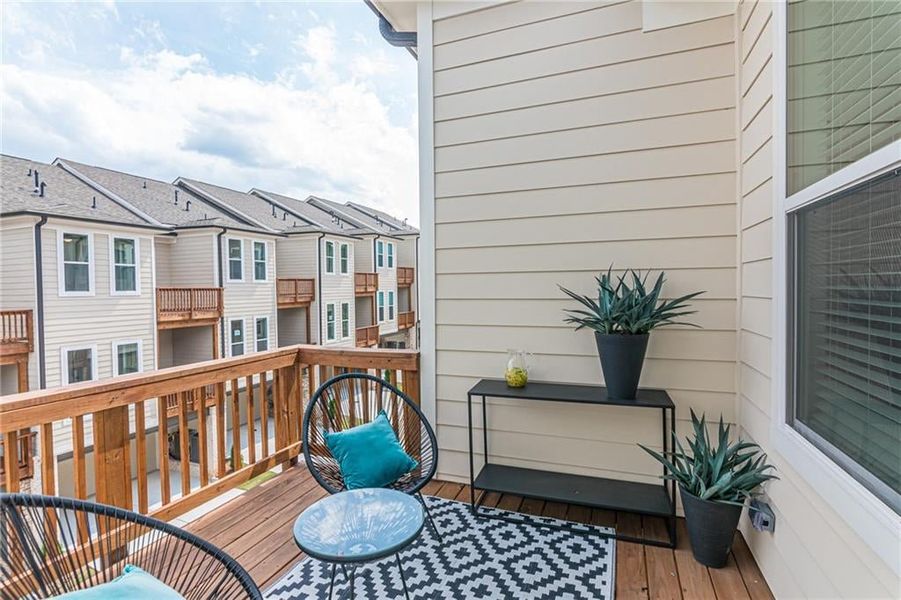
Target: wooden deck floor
(255, 528)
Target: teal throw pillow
(369, 455)
(132, 584)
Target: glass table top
(359, 525)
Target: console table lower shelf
(592, 492)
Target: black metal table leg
(331, 587)
(403, 579)
(472, 472)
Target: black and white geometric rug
(479, 558)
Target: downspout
(399, 39)
(319, 285)
(39, 298)
(221, 285)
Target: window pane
(843, 85)
(75, 248)
(234, 248)
(127, 359)
(259, 251)
(345, 320)
(259, 271)
(234, 269)
(123, 251)
(126, 279)
(237, 337)
(848, 327)
(262, 334)
(77, 278)
(80, 365)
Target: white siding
(17, 288)
(337, 288)
(249, 299)
(568, 140)
(813, 553)
(191, 261)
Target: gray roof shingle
(64, 194)
(323, 220)
(158, 199)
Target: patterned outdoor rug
(479, 558)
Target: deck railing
(367, 336)
(24, 455)
(121, 414)
(175, 305)
(407, 319)
(404, 276)
(295, 292)
(366, 283)
(16, 331)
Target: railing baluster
(220, 430)
(78, 465)
(200, 408)
(11, 460)
(236, 427)
(141, 456)
(264, 415)
(162, 418)
(48, 461)
(251, 424)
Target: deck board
(255, 528)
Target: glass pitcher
(517, 373)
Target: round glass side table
(359, 526)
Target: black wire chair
(51, 546)
(352, 399)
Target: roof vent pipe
(29, 171)
(187, 206)
(35, 180)
(94, 202)
(145, 185)
(176, 196)
(43, 185)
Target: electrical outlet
(762, 517)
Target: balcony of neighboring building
(366, 284)
(293, 293)
(188, 306)
(406, 320)
(16, 342)
(367, 337)
(404, 276)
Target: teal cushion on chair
(132, 584)
(369, 455)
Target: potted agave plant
(622, 317)
(715, 482)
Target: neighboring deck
(255, 528)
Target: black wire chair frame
(352, 399)
(48, 549)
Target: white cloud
(167, 114)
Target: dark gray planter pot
(622, 357)
(711, 528)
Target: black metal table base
(657, 501)
(353, 574)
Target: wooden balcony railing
(187, 307)
(405, 320)
(295, 292)
(123, 420)
(16, 332)
(404, 276)
(366, 283)
(367, 336)
(24, 455)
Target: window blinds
(847, 323)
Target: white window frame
(334, 322)
(62, 265)
(380, 306)
(243, 320)
(390, 259)
(115, 358)
(392, 307)
(379, 254)
(64, 361)
(330, 244)
(344, 258)
(345, 306)
(254, 261)
(256, 340)
(865, 514)
(228, 260)
(112, 265)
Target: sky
(293, 97)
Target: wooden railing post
(112, 459)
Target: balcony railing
(16, 332)
(367, 336)
(123, 421)
(24, 456)
(404, 276)
(187, 307)
(405, 320)
(295, 292)
(365, 283)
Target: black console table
(658, 500)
